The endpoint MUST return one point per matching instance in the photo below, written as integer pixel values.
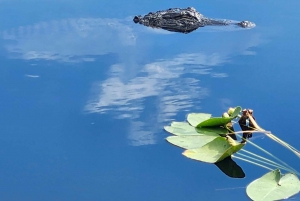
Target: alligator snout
(246, 24)
(137, 18)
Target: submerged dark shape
(184, 20)
(230, 168)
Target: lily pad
(234, 147)
(195, 118)
(180, 124)
(191, 141)
(214, 151)
(219, 121)
(181, 128)
(215, 121)
(184, 128)
(273, 186)
(209, 130)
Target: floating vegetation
(273, 186)
(213, 140)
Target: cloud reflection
(164, 89)
(138, 135)
(68, 40)
(161, 79)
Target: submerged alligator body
(183, 20)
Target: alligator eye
(191, 8)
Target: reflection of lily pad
(272, 186)
(230, 168)
(191, 141)
(181, 128)
(214, 151)
(215, 121)
(195, 118)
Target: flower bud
(225, 115)
(231, 110)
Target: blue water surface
(85, 93)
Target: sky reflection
(85, 94)
(171, 82)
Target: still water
(85, 94)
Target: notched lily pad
(273, 186)
(214, 151)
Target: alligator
(184, 20)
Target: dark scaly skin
(183, 20)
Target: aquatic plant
(213, 140)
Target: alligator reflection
(184, 20)
(230, 168)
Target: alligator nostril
(136, 19)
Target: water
(85, 94)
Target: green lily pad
(180, 124)
(214, 151)
(209, 130)
(235, 147)
(215, 121)
(272, 186)
(236, 112)
(181, 128)
(191, 141)
(219, 121)
(195, 118)
(184, 128)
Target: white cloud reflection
(170, 85)
(32, 76)
(138, 135)
(161, 79)
(68, 40)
